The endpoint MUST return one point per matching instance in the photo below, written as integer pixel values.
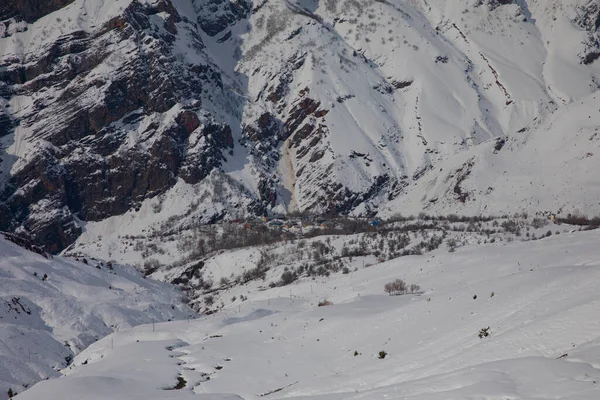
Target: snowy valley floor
(539, 298)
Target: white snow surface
(539, 299)
(44, 321)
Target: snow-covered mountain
(497, 321)
(51, 308)
(227, 108)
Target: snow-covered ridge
(537, 301)
(53, 307)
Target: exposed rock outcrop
(105, 142)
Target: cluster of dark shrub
(399, 236)
(399, 287)
(590, 223)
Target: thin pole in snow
(152, 324)
(29, 355)
(112, 343)
(311, 289)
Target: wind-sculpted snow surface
(52, 308)
(539, 300)
(347, 106)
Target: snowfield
(538, 298)
(44, 323)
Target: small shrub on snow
(207, 284)
(538, 223)
(382, 354)
(181, 382)
(151, 266)
(451, 243)
(512, 226)
(325, 303)
(414, 288)
(484, 332)
(287, 277)
(259, 272)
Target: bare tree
(396, 287)
(414, 288)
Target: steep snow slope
(254, 107)
(539, 300)
(547, 168)
(381, 92)
(44, 323)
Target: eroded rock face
(588, 18)
(104, 142)
(217, 15)
(492, 4)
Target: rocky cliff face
(588, 18)
(327, 107)
(124, 119)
